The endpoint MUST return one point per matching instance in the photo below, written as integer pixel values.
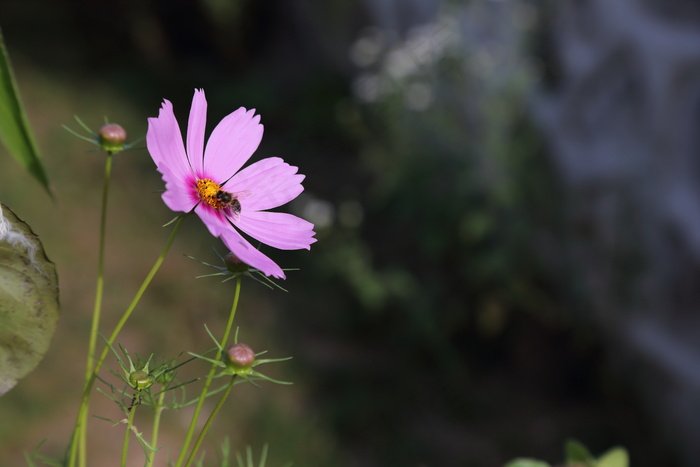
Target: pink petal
(214, 219)
(164, 142)
(232, 143)
(195, 131)
(271, 181)
(250, 255)
(268, 183)
(180, 194)
(277, 229)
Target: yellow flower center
(207, 190)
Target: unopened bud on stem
(112, 137)
(139, 379)
(240, 356)
(233, 264)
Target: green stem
(156, 426)
(98, 291)
(208, 380)
(82, 411)
(209, 421)
(127, 434)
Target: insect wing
(242, 194)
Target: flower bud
(233, 264)
(139, 379)
(165, 377)
(112, 137)
(240, 357)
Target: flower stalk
(81, 428)
(158, 411)
(99, 287)
(207, 382)
(127, 432)
(210, 419)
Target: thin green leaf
(15, 132)
(526, 463)
(577, 453)
(78, 135)
(263, 456)
(615, 457)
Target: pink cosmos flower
(226, 198)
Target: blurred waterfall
(623, 121)
(620, 111)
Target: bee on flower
(228, 198)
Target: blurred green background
(435, 322)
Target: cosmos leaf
(15, 132)
(28, 300)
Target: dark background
(444, 318)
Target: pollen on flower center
(207, 190)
